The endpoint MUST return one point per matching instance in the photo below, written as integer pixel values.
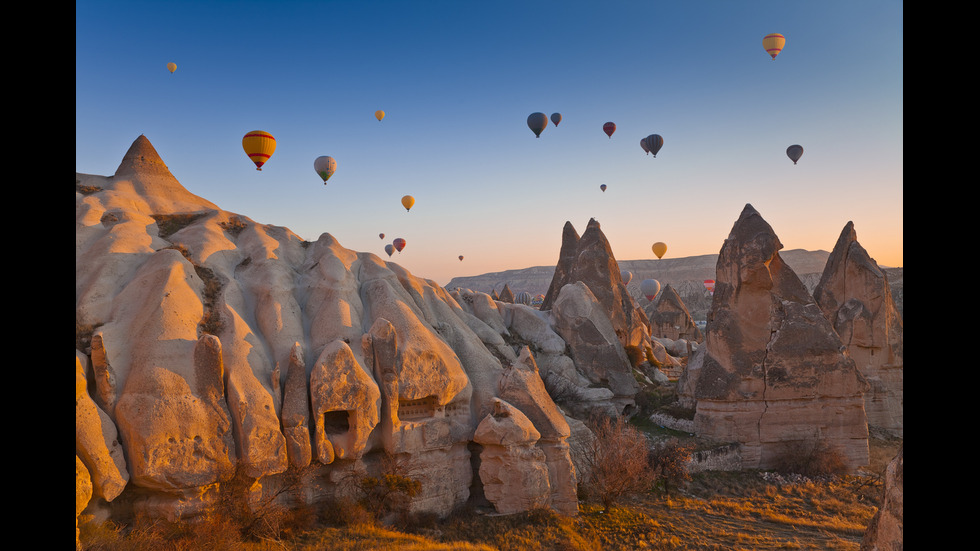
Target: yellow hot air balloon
(171, 66)
(259, 146)
(408, 201)
(379, 114)
(773, 43)
(659, 249)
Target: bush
(616, 461)
(812, 457)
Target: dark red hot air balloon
(399, 244)
(609, 128)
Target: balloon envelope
(523, 297)
(379, 114)
(325, 166)
(773, 43)
(709, 284)
(653, 143)
(381, 236)
(643, 144)
(627, 277)
(659, 249)
(408, 201)
(259, 146)
(537, 122)
(650, 288)
(390, 249)
(603, 187)
(171, 66)
(556, 118)
(460, 258)
(794, 152)
(609, 128)
(399, 244)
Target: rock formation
(670, 319)
(213, 348)
(590, 260)
(855, 296)
(774, 373)
(886, 531)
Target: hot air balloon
(794, 152)
(556, 118)
(709, 284)
(390, 249)
(460, 258)
(381, 236)
(773, 43)
(399, 244)
(408, 201)
(379, 114)
(653, 143)
(643, 144)
(537, 123)
(259, 146)
(523, 297)
(650, 288)
(537, 300)
(603, 188)
(171, 66)
(627, 276)
(609, 128)
(659, 249)
(325, 166)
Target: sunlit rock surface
(213, 349)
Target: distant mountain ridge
(675, 271)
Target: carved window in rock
(336, 422)
(424, 408)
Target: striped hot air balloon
(773, 43)
(259, 146)
(523, 297)
(399, 244)
(653, 143)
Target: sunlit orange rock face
(774, 373)
(214, 347)
(855, 296)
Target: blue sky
(457, 80)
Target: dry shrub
(811, 457)
(616, 461)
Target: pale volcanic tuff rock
(219, 344)
(670, 319)
(886, 531)
(774, 373)
(856, 297)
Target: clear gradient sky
(457, 80)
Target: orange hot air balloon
(259, 146)
(408, 202)
(171, 66)
(399, 244)
(659, 249)
(773, 43)
(379, 114)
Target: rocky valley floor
(748, 510)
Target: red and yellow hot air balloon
(659, 249)
(399, 244)
(408, 201)
(709, 285)
(773, 43)
(259, 146)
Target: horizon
(457, 82)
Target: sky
(457, 80)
